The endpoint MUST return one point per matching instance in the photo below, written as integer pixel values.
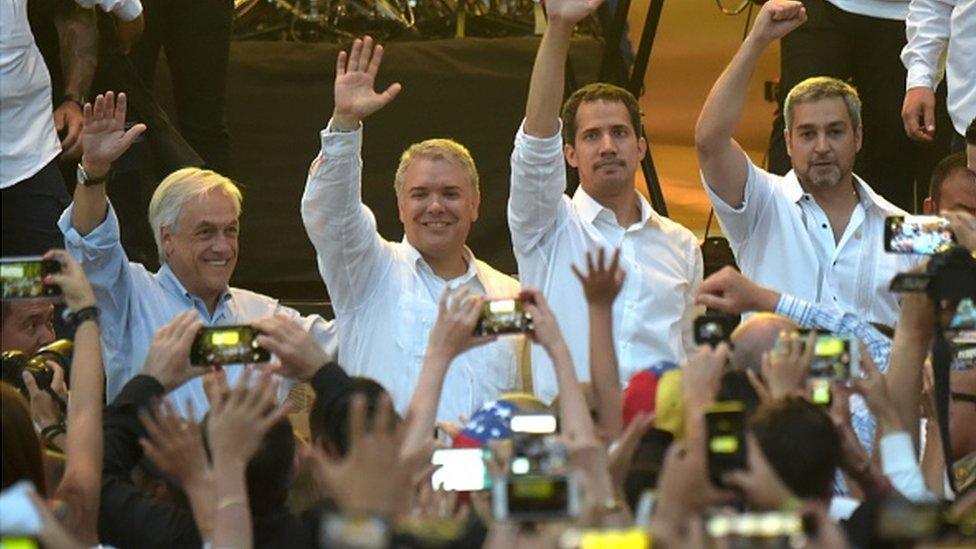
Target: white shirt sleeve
(927, 30)
(535, 204)
(899, 464)
(696, 270)
(348, 249)
(126, 10)
(738, 223)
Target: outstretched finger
(341, 63)
(392, 91)
(374, 62)
(601, 259)
(132, 134)
(354, 53)
(615, 261)
(366, 53)
(120, 108)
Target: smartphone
(835, 357)
(713, 329)
(504, 316)
(726, 439)
(23, 277)
(917, 234)
(605, 538)
(227, 345)
(534, 424)
(532, 498)
(820, 392)
(910, 283)
(459, 470)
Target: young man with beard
(817, 232)
(386, 294)
(600, 137)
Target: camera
(949, 275)
(218, 345)
(16, 362)
(504, 316)
(714, 328)
(23, 277)
(530, 498)
(917, 234)
(835, 357)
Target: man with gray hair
(386, 294)
(816, 232)
(194, 215)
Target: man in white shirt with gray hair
(654, 312)
(385, 294)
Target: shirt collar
(866, 195)
(589, 209)
(417, 260)
(169, 281)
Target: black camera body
(17, 362)
(949, 275)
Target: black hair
(598, 91)
(329, 418)
(942, 171)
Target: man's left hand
(69, 119)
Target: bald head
(756, 336)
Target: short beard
(825, 181)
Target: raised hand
(168, 360)
(238, 424)
(602, 282)
(456, 319)
(701, 377)
(300, 355)
(776, 19)
(174, 444)
(75, 288)
(730, 292)
(105, 138)
(785, 367)
(963, 225)
(570, 11)
(355, 96)
(874, 388)
(545, 329)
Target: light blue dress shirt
(135, 303)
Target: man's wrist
(95, 169)
(766, 300)
(344, 122)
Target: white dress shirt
(932, 27)
(783, 240)
(654, 313)
(28, 140)
(386, 296)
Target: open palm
(104, 138)
(355, 96)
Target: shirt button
(824, 225)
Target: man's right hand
(730, 292)
(105, 138)
(776, 19)
(918, 114)
(168, 360)
(571, 11)
(355, 96)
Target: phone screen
(725, 422)
(538, 494)
(23, 278)
(503, 316)
(459, 470)
(227, 345)
(835, 357)
(917, 234)
(536, 424)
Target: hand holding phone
(726, 439)
(23, 277)
(504, 316)
(917, 234)
(219, 345)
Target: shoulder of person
(496, 278)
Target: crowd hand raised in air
(105, 138)
(355, 94)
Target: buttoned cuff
(538, 150)
(919, 76)
(105, 236)
(341, 142)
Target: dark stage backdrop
(279, 96)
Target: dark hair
(735, 385)
(329, 420)
(942, 171)
(269, 473)
(800, 442)
(598, 91)
(21, 447)
(971, 133)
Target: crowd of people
(604, 405)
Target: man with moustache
(817, 232)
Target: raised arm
(104, 140)
(549, 71)
(602, 284)
(78, 41)
(342, 230)
(724, 164)
(82, 481)
(913, 338)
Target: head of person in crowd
(26, 326)
(823, 131)
(21, 447)
(602, 139)
(971, 145)
(438, 196)
(801, 443)
(329, 417)
(195, 218)
(755, 336)
(952, 187)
